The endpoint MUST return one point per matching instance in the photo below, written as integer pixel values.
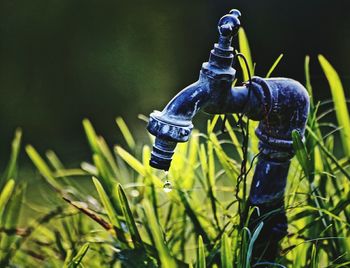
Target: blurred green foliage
(62, 61)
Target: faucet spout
(174, 123)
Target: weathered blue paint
(280, 104)
(174, 123)
(287, 110)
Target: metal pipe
(174, 123)
(280, 104)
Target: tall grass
(130, 221)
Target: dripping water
(167, 186)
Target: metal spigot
(174, 123)
(280, 104)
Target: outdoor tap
(174, 123)
(280, 104)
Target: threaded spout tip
(162, 153)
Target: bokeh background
(64, 60)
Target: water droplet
(167, 187)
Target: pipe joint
(287, 110)
(175, 130)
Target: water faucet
(174, 123)
(280, 104)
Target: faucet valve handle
(229, 24)
(235, 12)
(222, 54)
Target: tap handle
(229, 24)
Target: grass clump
(121, 217)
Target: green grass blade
(111, 212)
(54, 160)
(329, 154)
(91, 135)
(103, 172)
(211, 167)
(126, 132)
(100, 148)
(130, 160)
(201, 263)
(108, 156)
(301, 153)
(203, 159)
(211, 182)
(129, 218)
(79, 257)
(194, 217)
(226, 254)
(6, 194)
(314, 262)
(230, 166)
(307, 78)
(251, 243)
(339, 100)
(274, 65)
(64, 173)
(212, 123)
(9, 221)
(234, 138)
(42, 167)
(191, 161)
(60, 171)
(166, 259)
(329, 213)
(15, 148)
(245, 50)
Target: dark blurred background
(64, 60)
